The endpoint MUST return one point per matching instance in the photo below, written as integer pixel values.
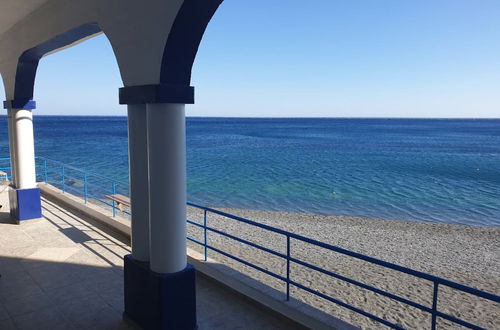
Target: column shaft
(138, 178)
(167, 186)
(12, 151)
(24, 149)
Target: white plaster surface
(137, 31)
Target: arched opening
(4, 140)
(5, 152)
(76, 91)
(82, 81)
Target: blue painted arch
(184, 39)
(178, 57)
(28, 63)
(175, 72)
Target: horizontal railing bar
(241, 240)
(83, 171)
(194, 223)
(458, 321)
(363, 285)
(106, 190)
(108, 204)
(356, 255)
(66, 176)
(467, 289)
(195, 241)
(343, 304)
(234, 217)
(98, 199)
(248, 263)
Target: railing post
(114, 203)
(45, 176)
(287, 267)
(62, 175)
(85, 189)
(205, 234)
(434, 305)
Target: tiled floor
(64, 272)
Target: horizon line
(270, 117)
(296, 117)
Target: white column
(138, 178)
(12, 152)
(167, 187)
(24, 149)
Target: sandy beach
(465, 254)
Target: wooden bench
(120, 200)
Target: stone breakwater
(468, 255)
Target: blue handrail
(437, 281)
(92, 188)
(289, 259)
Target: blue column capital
(160, 93)
(25, 104)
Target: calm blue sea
(409, 169)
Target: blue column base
(25, 204)
(159, 301)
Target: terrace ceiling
(154, 41)
(13, 11)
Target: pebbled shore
(465, 254)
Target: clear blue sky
(327, 58)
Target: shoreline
(348, 216)
(466, 254)
(345, 216)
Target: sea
(432, 170)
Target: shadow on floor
(42, 295)
(5, 218)
(38, 294)
(66, 272)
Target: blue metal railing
(437, 281)
(91, 187)
(43, 166)
(5, 166)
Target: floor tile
(3, 312)
(7, 324)
(47, 318)
(18, 285)
(27, 304)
